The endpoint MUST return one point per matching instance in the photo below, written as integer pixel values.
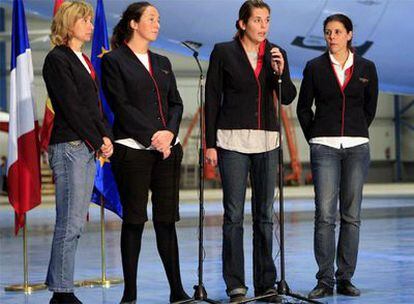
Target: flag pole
(26, 287)
(25, 266)
(103, 255)
(103, 281)
(100, 45)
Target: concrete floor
(384, 273)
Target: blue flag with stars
(105, 189)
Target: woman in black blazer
(79, 134)
(141, 89)
(242, 137)
(344, 89)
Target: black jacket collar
(326, 60)
(327, 65)
(266, 57)
(152, 58)
(75, 59)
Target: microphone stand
(200, 293)
(283, 288)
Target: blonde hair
(65, 18)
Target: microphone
(275, 56)
(274, 60)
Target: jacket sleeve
(104, 126)
(62, 88)
(175, 106)
(288, 88)
(304, 108)
(371, 95)
(214, 91)
(101, 119)
(131, 120)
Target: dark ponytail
(122, 31)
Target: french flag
(23, 169)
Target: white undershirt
(82, 59)
(144, 59)
(340, 141)
(248, 140)
(130, 142)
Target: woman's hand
(211, 156)
(107, 148)
(166, 153)
(161, 140)
(278, 62)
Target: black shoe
(237, 298)
(274, 298)
(320, 291)
(64, 298)
(179, 297)
(127, 299)
(346, 288)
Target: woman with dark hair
(242, 137)
(141, 89)
(344, 89)
(79, 133)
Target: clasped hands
(161, 141)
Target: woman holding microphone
(242, 137)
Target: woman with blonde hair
(79, 134)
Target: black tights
(167, 246)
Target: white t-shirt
(82, 59)
(144, 59)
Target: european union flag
(105, 186)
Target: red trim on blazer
(89, 63)
(158, 92)
(93, 75)
(257, 70)
(348, 75)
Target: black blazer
(75, 99)
(337, 113)
(141, 107)
(234, 98)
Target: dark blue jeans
(234, 169)
(337, 174)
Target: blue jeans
(73, 171)
(337, 174)
(234, 170)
